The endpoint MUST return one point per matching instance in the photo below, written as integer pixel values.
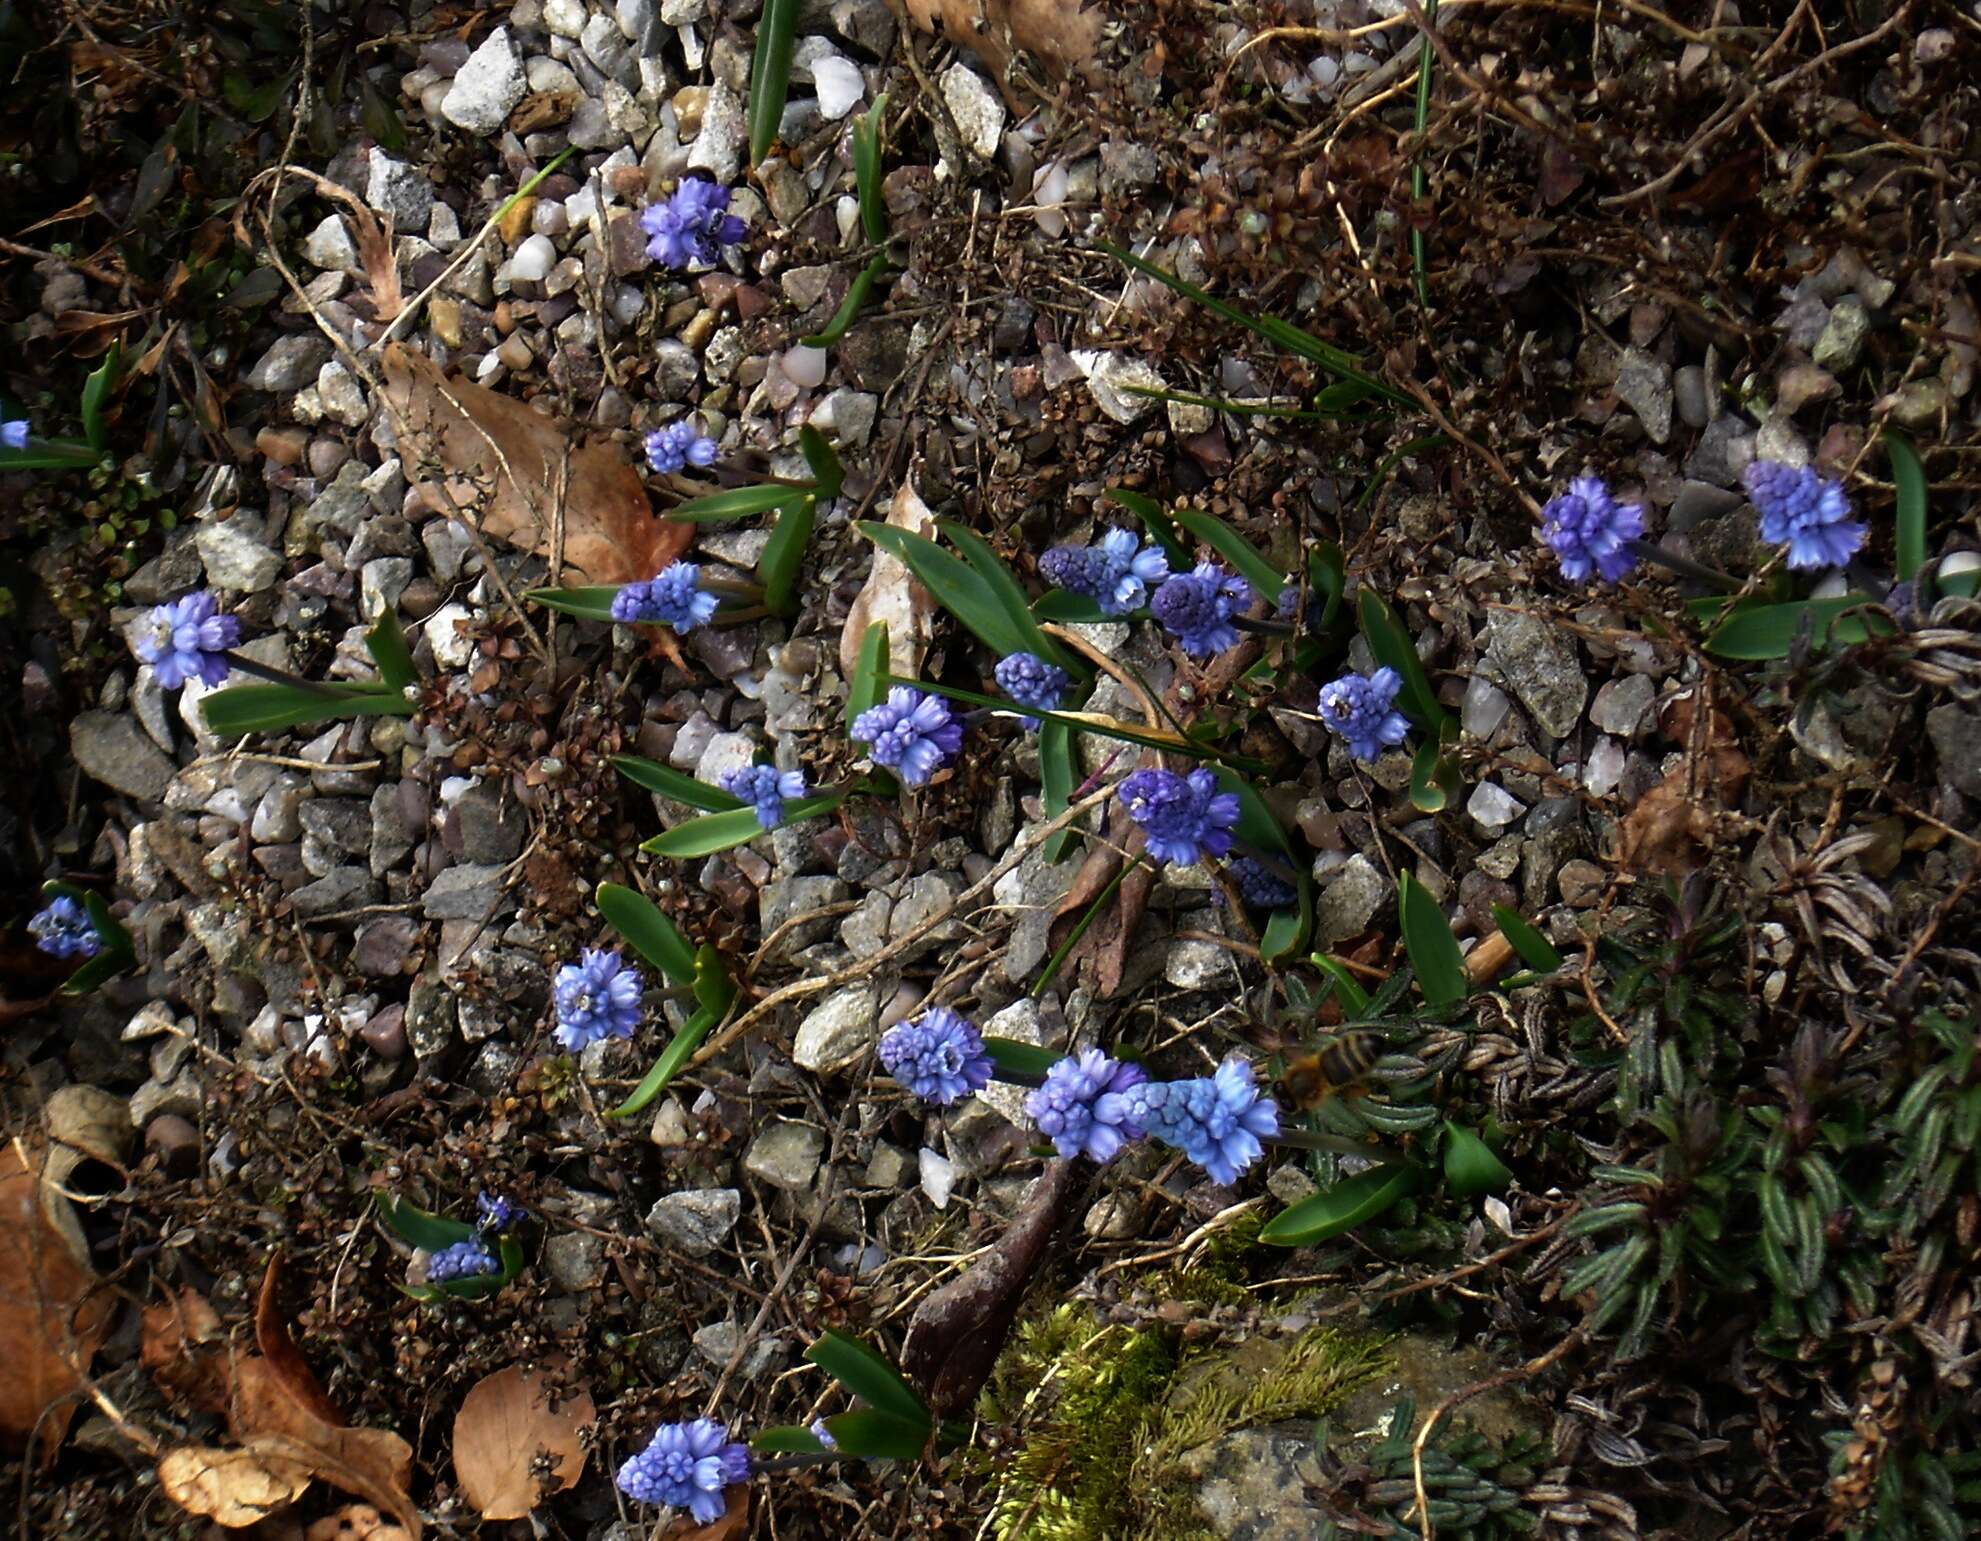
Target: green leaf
(379, 119)
(784, 557)
(49, 455)
(256, 103)
(874, 1435)
(869, 682)
(1393, 648)
(824, 461)
(1469, 1165)
(715, 992)
(866, 170)
(1342, 396)
(770, 74)
(1058, 776)
(738, 503)
(1004, 588)
(1434, 781)
(721, 831)
(1433, 949)
(850, 307)
(1327, 570)
(1286, 929)
(243, 709)
(1769, 631)
(1070, 609)
(786, 1439)
(1256, 825)
(679, 785)
(96, 395)
(1264, 577)
(867, 1375)
(1021, 1058)
(386, 642)
(1346, 1205)
(646, 930)
(1909, 476)
(588, 604)
(428, 1232)
(1354, 999)
(1535, 950)
(956, 586)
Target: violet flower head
(495, 1214)
(15, 434)
(468, 1259)
(1260, 886)
(1217, 1121)
(687, 1466)
(765, 788)
(62, 929)
(910, 733)
(597, 997)
(1031, 681)
(693, 225)
(1589, 531)
(188, 639)
(1182, 817)
(938, 1056)
(1083, 1109)
(1359, 707)
(678, 446)
(1116, 572)
(822, 1434)
(1809, 514)
(1196, 608)
(675, 598)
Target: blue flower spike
(910, 733)
(15, 434)
(675, 598)
(188, 639)
(687, 1466)
(678, 446)
(1030, 681)
(468, 1259)
(1183, 818)
(1808, 513)
(1359, 708)
(1117, 572)
(765, 788)
(1217, 1121)
(1260, 886)
(691, 226)
(1196, 608)
(597, 997)
(495, 1214)
(1590, 532)
(62, 929)
(1083, 1107)
(938, 1056)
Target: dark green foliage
(1472, 1484)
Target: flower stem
(262, 671)
(1685, 567)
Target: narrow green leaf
(770, 74)
(243, 709)
(379, 118)
(1469, 1165)
(1004, 588)
(824, 461)
(256, 103)
(1155, 519)
(956, 586)
(737, 503)
(1058, 775)
(49, 455)
(786, 1439)
(588, 604)
(646, 930)
(1257, 826)
(1769, 631)
(867, 1375)
(668, 1066)
(96, 396)
(876, 1436)
(1535, 950)
(866, 170)
(722, 831)
(428, 1232)
(784, 556)
(1354, 999)
(1287, 412)
(1433, 949)
(1344, 1206)
(1342, 396)
(869, 681)
(1286, 930)
(1070, 609)
(1909, 476)
(1263, 575)
(1020, 1058)
(386, 642)
(1434, 781)
(1393, 648)
(850, 307)
(679, 785)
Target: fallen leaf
(373, 1464)
(492, 458)
(285, 1361)
(184, 1348)
(354, 1522)
(372, 240)
(894, 595)
(234, 1488)
(1058, 32)
(1671, 826)
(505, 1420)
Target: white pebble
(804, 366)
(840, 86)
(1048, 193)
(533, 260)
(938, 1177)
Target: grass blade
(1341, 1208)
(1058, 776)
(784, 556)
(96, 395)
(849, 308)
(1393, 648)
(386, 642)
(243, 709)
(1354, 999)
(48, 455)
(957, 587)
(428, 1232)
(1020, 1058)
(1004, 588)
(1264, 577)
(646, 930)
(867, 1375)
(1433, 949)
(1909, 476)
(866, 171)
(737, 503)
(1769, 631)
(722, 831)
(592, 603)
(679, 785)
(1535, 950)
(824, 461)
(869, 682)
(770, 74)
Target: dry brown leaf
(893, 596)
(500, 463)
(1671, 826)
(234, 1488)
(373, 1464)
(185, 1350)
(354, 1522)
(1059, 32)
(285, 1361)
(505, 1420)
(373, 240)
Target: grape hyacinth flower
(1809, 514)
(693, 225)
(1217, 1121)
(1359, 708)
(765, 788)
(1030, 681)
(15, 434)
(1182, 817)
(1116, 572)
(62, 929)
(468, 1259)
(675, 598)
(1589, 531)
(678, 446)
(1260, 886)
(687, 1466)
(822, 1434)
(938, 1056)
(188, 639)
(597, 997)
(495, 1214)
(1083, 1109)
(1196, 608)
(910, 732)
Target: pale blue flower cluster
(597, 997)
(1116, 572)
(1031, 681)
(14, 434)
(1217, 1121)
(765, 788)
(678, 446)
(1083, 1107)
(1196, 608)
(1182, 817)
(938, 1056)
(1589, 531)
(495, 1214)
(693, 225)
(687, 1466)
(1809, 514)
(675, 598)
(62, 929)
(468, 1259)
(188, 639)
(911, 733)
(1359, 707)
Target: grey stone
(487, 88)
(1197, 965)
(111, 748)
(342, 888)
(382, 946)
(719, 1342)
(978, 110)
(343, 823)
(785, 1155)
(494, 1069)
(792, 897)
(380, 583)
(330, 246)
(1688, 389)
(1697, 501)
(922, 900)
(1644, 385)
(398, 190)
(838, 1031)
(1254, 1483)
(1484, 708)
(180, 1095)
(492, 827)
(290, 363)
(343, 505)
(696, 1221)
(864, 932)
(390, 838)
(718, 148)
(236, 558)
(590, 129)
(1622, 705)
(1712, 460)
(1355, 891)
(640, 21)
(564, 18)
(467, 892)
(342, 397)
(169, 574)
(606, 46)
(1540, 665)
(1110, 377)
(1842, 342)
(890, 1166)
(867, 24)
(575, 1261)
(429, 1015)
(1956, 734)
(1492, 807)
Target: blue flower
(677, 446)
(1358, 707)
(1196, 608)
(687, 1466)
(692, 226)
(495, 1214)
(1083, 1109)
(1590, 531)
(1182, 817)
(63, 930)
(1030, 681)
(1217, 1121)
(1116, 572)
(675, 598)
(1809, 514)
(468, 1259)
(188, 639)
(938, 1056)
(822, 1434)
(910, 732)
(597, 997)
(1260, 886)
(765, 788)
(15, 434)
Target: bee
(1336, 1068)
